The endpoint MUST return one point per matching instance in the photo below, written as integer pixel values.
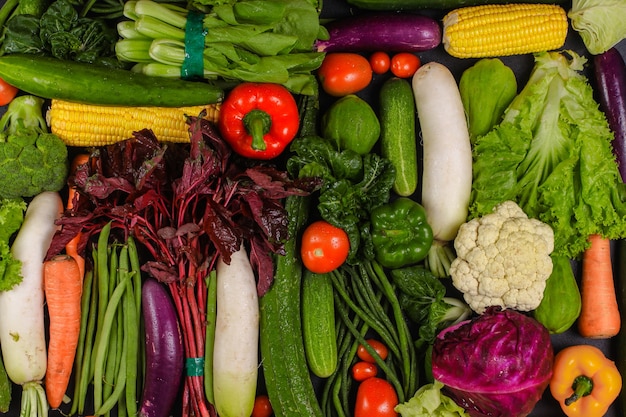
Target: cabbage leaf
(552, 154)
(600, 23)
(429, 401)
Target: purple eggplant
(164, 351)
(610, 75)
(392, 32)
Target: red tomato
(375, 397)
(324, 247)
(363, 370)
(7, 92)
(343, 73)
(404, 64)
(380, 62)
(378, 346)
(262, 407)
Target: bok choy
(250, 40)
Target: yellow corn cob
(502, 30)
(93, 125)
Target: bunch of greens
(62, 33)
(424, 301)
(32, 160)
(552, 154)
(249, 40)
(353, 186)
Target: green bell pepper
(401, 235)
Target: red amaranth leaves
(186, 204)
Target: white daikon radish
(447, 164)
(235, 354)
(22, 328)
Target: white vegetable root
(22, 329)
(235, 354)
(447, 164)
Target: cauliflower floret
(503, 259)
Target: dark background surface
(522, 66)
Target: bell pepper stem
(582, 386)
(257, 123)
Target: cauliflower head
(503, 259)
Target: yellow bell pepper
(584, 381)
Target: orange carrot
(599, 317)
(72, 246)
(63, 289)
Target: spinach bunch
(63, 33)
(353, 185)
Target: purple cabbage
(495, 365)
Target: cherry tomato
(7, 92)
(343, 73)
(380, 62)
(404, 64)
(363, 370)
(375, 397)
(262, 406)
(324, 247)
(378, 346)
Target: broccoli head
(32, 160)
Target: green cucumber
(318, 323)
(49, 78)
(287, 378)
(396, 5)
(397, 133)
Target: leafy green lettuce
(429, 401)
(552, 154)
(11, 218)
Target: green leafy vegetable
(62, 33)
(353, 185)
(429, 401)
(249, 40)
(423, 299)
(600, 23)
(11, 218)
(552, 155)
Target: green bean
(135, 268)
(131, 330)
(105, 332)
(391, 376)
(410, 367)
(115, 340)
(374, 324)
(120, 383)
(211, 314)
(102, 262)
(82, 349)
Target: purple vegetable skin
(391, 32)
(164, 351)
(610, 75)
(496, 365)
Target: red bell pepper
(259, 120)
